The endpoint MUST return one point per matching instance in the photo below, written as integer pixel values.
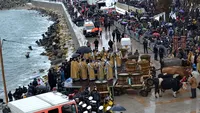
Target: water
(22, 28)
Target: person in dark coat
(96, 96)
(16, 95)
(96, 44)
(20, 91)
(106, 26)
(55, 74)
(155, 51)
(161, 53)
(137, 53)
(193, 84)
(68, 69)
(145, 44)
(109, 24)
(35, 83)
(10, 96)
(110, 43)
(113, 35)
(118, 34)
(24, 89)
(50, 78)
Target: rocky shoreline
(8, 4)
(57, 40)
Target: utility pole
(3, 74)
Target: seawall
(77, 36)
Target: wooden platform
(128, 86)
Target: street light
(127, 3)
(3, 74)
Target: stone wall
(77, 36)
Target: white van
(126, 44)
(51, 102)
(88, 27)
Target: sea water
(21, 28)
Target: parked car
(88, 28)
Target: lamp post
(3, 74)
(128, 5)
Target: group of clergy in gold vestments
(96, 65)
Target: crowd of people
(156, 34)
(34, 88)
(93, 65)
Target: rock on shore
(7, 4)
(57, 40)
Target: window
(69, 108)
(53, 111)
(73, 107)
(89, 27)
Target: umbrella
(156, 34)
(169, 24)
(124, 23)
(118, 108)
(143, 18)
(83, 49)
(75, 55)
(181, 11)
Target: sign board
(157, 17)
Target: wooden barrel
(101, 85)
(136, 78)
(131, 66)
(144, 62)
(144, 66)
(135, 57)
(122, 77)
(146, 57)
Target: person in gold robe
(119, 58)
(92, 55)
(98, 56)
(198, 63)
(109, 70)
(100, 70)
(72, 69)
(104, 55)
(76, 70)
(111, 56)
(86, 56)
(91, 73)
(83, 69)
(190, 54)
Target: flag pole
(3, 74)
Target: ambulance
(88, 28)
(51, 102)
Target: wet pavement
(134, 103)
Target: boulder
(43, 54)
(57, 61)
